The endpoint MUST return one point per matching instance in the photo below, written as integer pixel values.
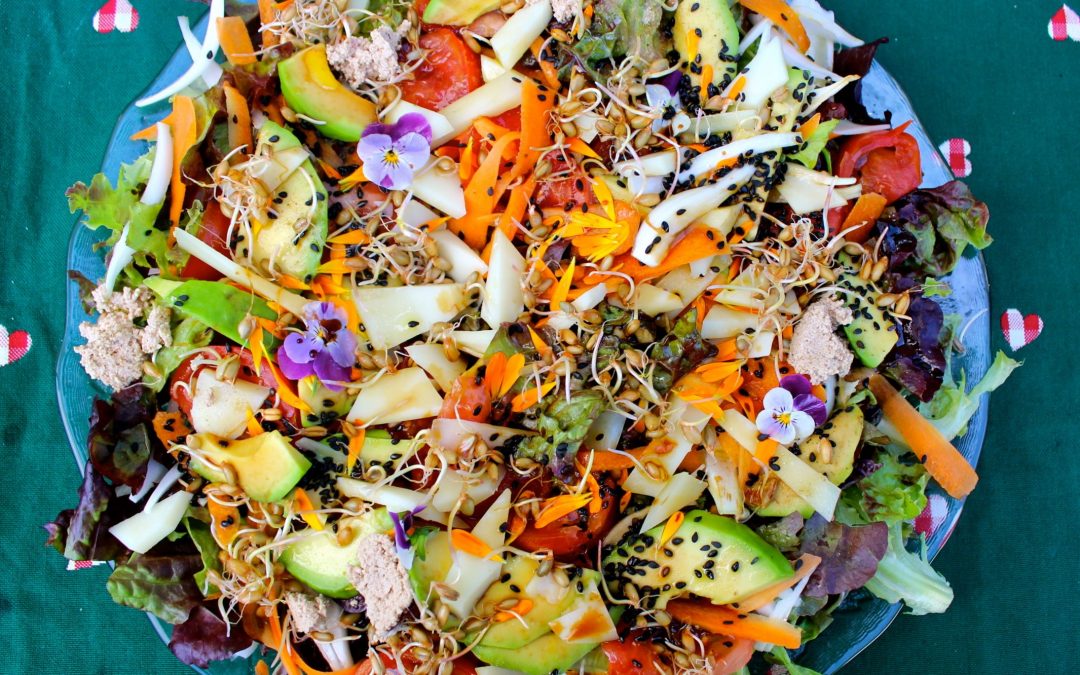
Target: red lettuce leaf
(82, 533)
(849, 555)
(205, 637)
(855, 61)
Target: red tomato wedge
(213, 231)
(886, 162)
(630, 656)
(450, 71)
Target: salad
(555, 336)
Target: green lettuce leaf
(162, 585)
(105, 206)
(783, 658)
(815, 145)
(934, 227)
(906, 576)
(951, 409)
(208, 551)
(188, 335)
(623, 28)
(895, 492)
(561, 429)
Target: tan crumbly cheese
(382, 581)
(308, 612)
(116, 346)
(563, 10)
(816, 350)
(371, 59)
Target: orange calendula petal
(467, 542)
(530, 397)
(513, 369)
(356, 443)
(557, 507)
(562, 289)
(306, 508)
(493, 372)
(671, 527)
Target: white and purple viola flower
(791, 411)
(393, 153)
(325, 348)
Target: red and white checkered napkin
(116, 15)
(1065, 25)
(1020, 330)
(84, 564)
(932, 516)
(956, 151)
(13, 346)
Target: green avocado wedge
(310, 88)
(544, 655)
(458, 12)
(322, 564)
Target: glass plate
(853, 630)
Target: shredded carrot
(184, 131)
(523, 606)
(224, 522)
(700, 242)
(170, 427)
(467, 542)
(782, 15)
(356, 444)
(489, 130)
(467, 165)
(530, 397)
(516, 206)
(235, 41)
(481, 195)
(493, 372)
(863, 216)
(579, 146)
(804, 567)
(328, 169)
(810, 126)
(239, 118)
(557, 507)
(535, 118)
(298, 661)
(762, 454)
(516, 527)
(307, 509)
(605, 460)
(944, 462)
(267, 16)
(670, 528)
(596, 504)
(727, 621)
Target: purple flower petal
(796, 384)
(812, 406)
(292, 369)
(301, 347)
(324, 311)
(379, 129)
(672, 82)
(342, 348)
(412, 123)
(400, 538)
(413, 149)
(330, 373)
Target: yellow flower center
(783, 418)
(391, 157)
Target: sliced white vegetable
(818, 97)
(146, 529)
(810, 9)
(587, 621)
(701, 267)
(432, 358)
(546, 587)
(490, 528)
(473, 342)
(586, 126)
(656, 301)
(605, 431)
(796, 59)
(241, 275)
(164, 485)
(761, 344)
(157, 186)
(394, 498)
(681, 491)
(393, 314)
(210, 46)
(674, 214)
(760, 28)
(681, 413)
(590, 298)
(742, 430)
(746, 291)
(470, 577)
(725, 122)
(441, 131)
(396, 397)
(846, 128)
(766, 72)
(414, 214)
(512, 40)
(705, 163)
(463, 259)
(657, 164)
(504, 298)
(685, 283)
(452, 486)
(490, 68)
(222, 408)
(808, 191)
(214, 71)
(449, 434)
(722, 323)
(806, 482)
(274, 168)
(494, 98)
(121, 257)
(154, 472)
(723, 481)
(440, 190)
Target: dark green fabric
(984, 70)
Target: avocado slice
(844, 431)
(458, 12)
(326, 405)
(544, 655)
(310, 88)
(432, 562)
(709, 555)
(517, 573)
(322, 564)
(872, 335)
(293, 239)
(218, 305)
(267, 466)
(711, 25)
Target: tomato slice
(469, 399)
(182, 378)
(568, 193)
(450, 71)
(629, 657)
(214, 231)
(729, 655)
(569, 537)
(887, 162)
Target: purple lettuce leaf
(118, 444)
(849, 555)
(855, 61)
(82, 533)
(918, 360)
(205, 637)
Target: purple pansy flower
(392, 153)
(791, 412)
(325, 348)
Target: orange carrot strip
(266, 17)
(235, 41)
(351, 237)
(523, 606)
(804, 567)
(535, 116)
(782, 15)
(236, 106)
(467, 166)
(480, 195)
(516, 207)
(604, 460)
(307, 509)
(863, 216)
(698, 243)
(184, 132)
(944, 462)
(726, 621)
(170, 427)
(530, 397)
(489, 129)
(763, 453)
(356, 444)
(579, 146)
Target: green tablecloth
(984, 70)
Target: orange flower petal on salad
(530, 397)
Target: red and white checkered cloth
(956, 151)
(1065, 25)
(1020, 330)
(116, 15)
(13, 346)
(84, 564)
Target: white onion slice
(200, 65)
(161, 171)
(195, 49)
